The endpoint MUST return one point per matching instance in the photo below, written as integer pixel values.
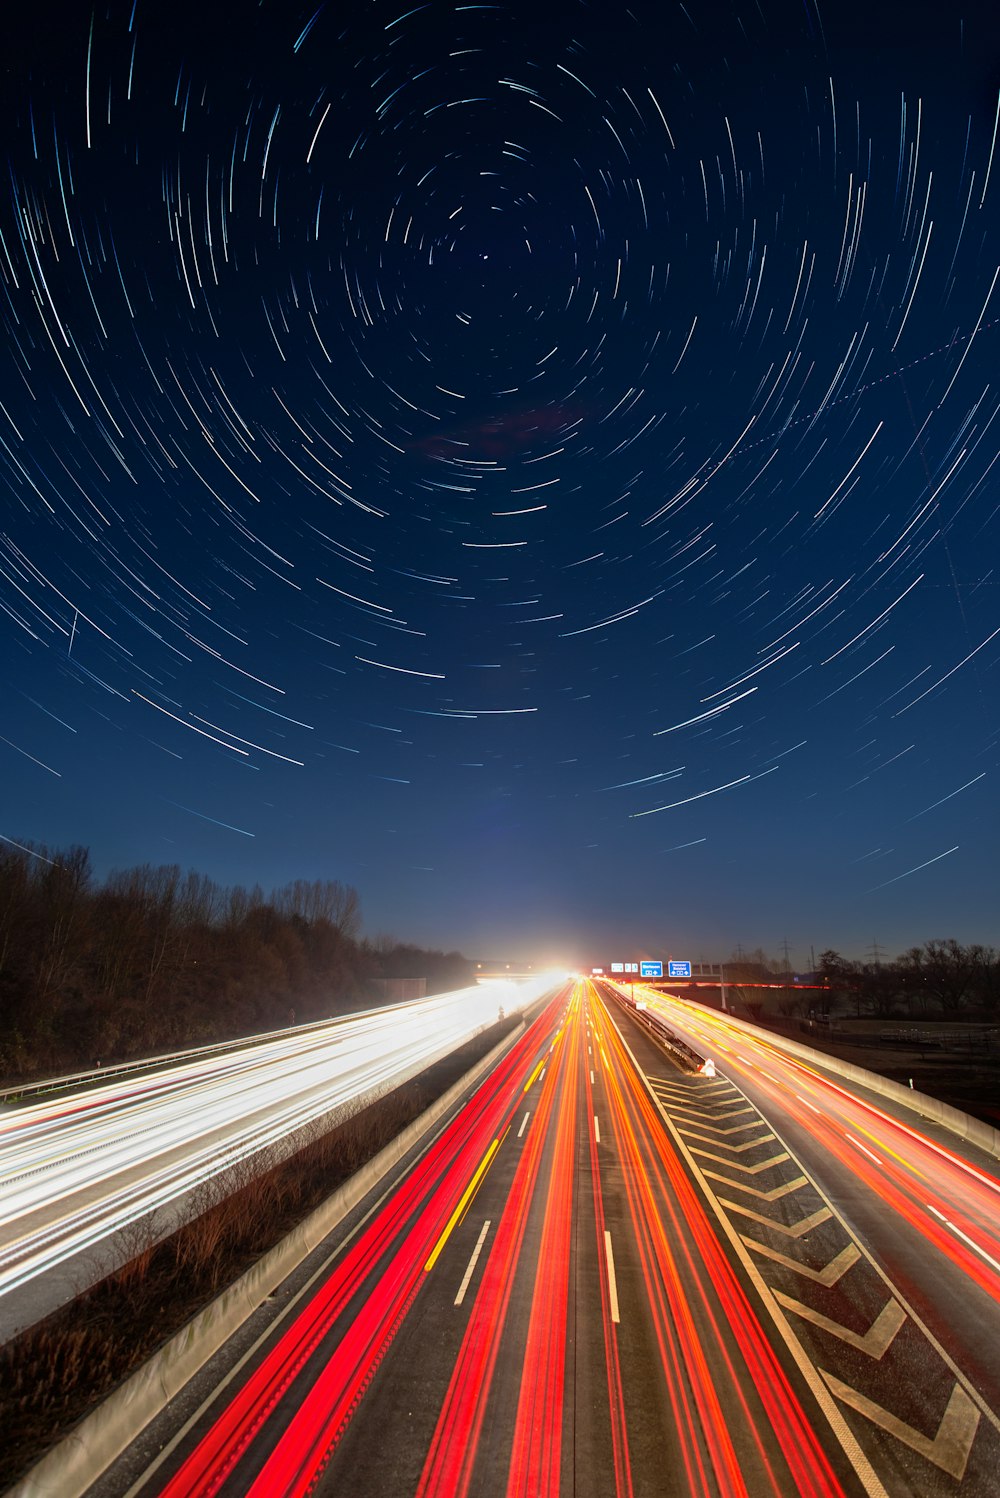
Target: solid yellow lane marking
(534, 1074)
(462, 1207)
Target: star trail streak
(534, 384)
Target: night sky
(538, 463)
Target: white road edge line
(472, 1262)
(524, 1124)
(612, 1282)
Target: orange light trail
(811, 1471)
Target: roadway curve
(606, 1276)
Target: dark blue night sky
(537, 463)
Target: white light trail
(74, 1170)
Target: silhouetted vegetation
(153, 959)
(941, 979)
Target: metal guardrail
(658, 1028)
(18, 1092)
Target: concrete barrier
(981, 1134)
(78, 1460)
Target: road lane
(789, 1190)
(743, 1421)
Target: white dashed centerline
(612, 1282)
(475, 1255)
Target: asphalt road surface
(606, 1276)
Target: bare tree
(942, 969)
(321, 900)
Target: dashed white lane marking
(524, 1124)
(965, 1238)
(597, 1129)
(612, 1282)
(475, 1255)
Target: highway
(606, 1275)
(76, 1169)
(913, 1195)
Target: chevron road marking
(828, 1276)
(949, 1449)
(738, 1148)
(736, 1129)
(875, 1340)
(729, 1111)
(713, 1088)
(750, 1170)
(765, 1196)
(697, 1115)
(795, 1230)
(952, 1447)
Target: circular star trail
(538, 463)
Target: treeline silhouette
(152, 959)
(940, 978)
